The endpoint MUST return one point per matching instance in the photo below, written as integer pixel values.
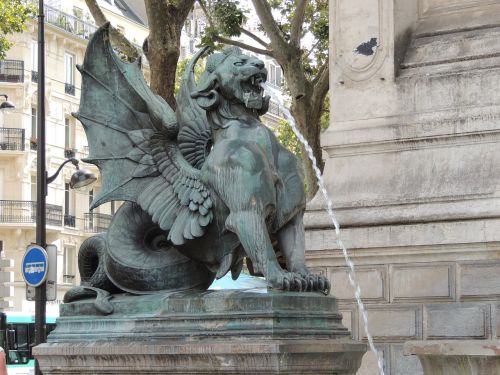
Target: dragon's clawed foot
(300, 282)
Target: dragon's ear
(206, 96)
(207, 100)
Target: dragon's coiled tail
(141, 260)
(133, 256)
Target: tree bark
(162, 47)
(117, 38)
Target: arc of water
(329, 207)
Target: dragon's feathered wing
(195, 135)
(132, 139)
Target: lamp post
(79, 179)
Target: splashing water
(352, 274)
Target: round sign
(34, 265)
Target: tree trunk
(162, 47)
(306, 109)
(307, 115)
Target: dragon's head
(235, 77)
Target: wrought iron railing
(12, 71)
(274, 109)
(68, 22)
(68, 279)
(69, 89)
(12, 139)
(70, 152)
(69, 221)
(97, 222)
(25, 212)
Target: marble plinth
(214, 332)
(452, 357)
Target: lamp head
(7, 104)
(82, 180)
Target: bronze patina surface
(204, 186)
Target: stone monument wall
(413, 168)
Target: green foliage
(13, 15)
(227, 18)
(181, 68)
(287, 137)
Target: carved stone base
(465, 357)
(215, 332)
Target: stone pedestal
(457, 357)
(215, 332)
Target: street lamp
(42, 181)
(7, 104)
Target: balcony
(69, 23)
(12, 139)
(70, 152)
(275, 109)
(69, 221)
(69, 279)
(12, 71)
(69, 89)
(14, 212)
(96, 222)
(33, 144)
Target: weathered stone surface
(373, 283)
(253, 312)
(422, 282)
(393, 322)
(480, 280)
(234, 356)
(369, 364)
(404, 365)
(456, 357)
(214, 332)
(457, 321)
(412, 167)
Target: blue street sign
(34, 265)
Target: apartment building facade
(69, 220)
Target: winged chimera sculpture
(203, 187)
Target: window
(34, 55)
(33, 122)
(91, 197)
(279, 76)
(67, 133)
(69, 63)
(67, 197)
(33, 188)
(69, 264)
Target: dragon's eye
(239, 63)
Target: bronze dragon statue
(204, 186)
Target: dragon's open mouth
(253, 91)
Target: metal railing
(69, 279)
(68, 22)
(69, 89)
(274, 109)
(96, 222)
(69, 221)
(12, 71)
(25, 212)
(12, 139)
